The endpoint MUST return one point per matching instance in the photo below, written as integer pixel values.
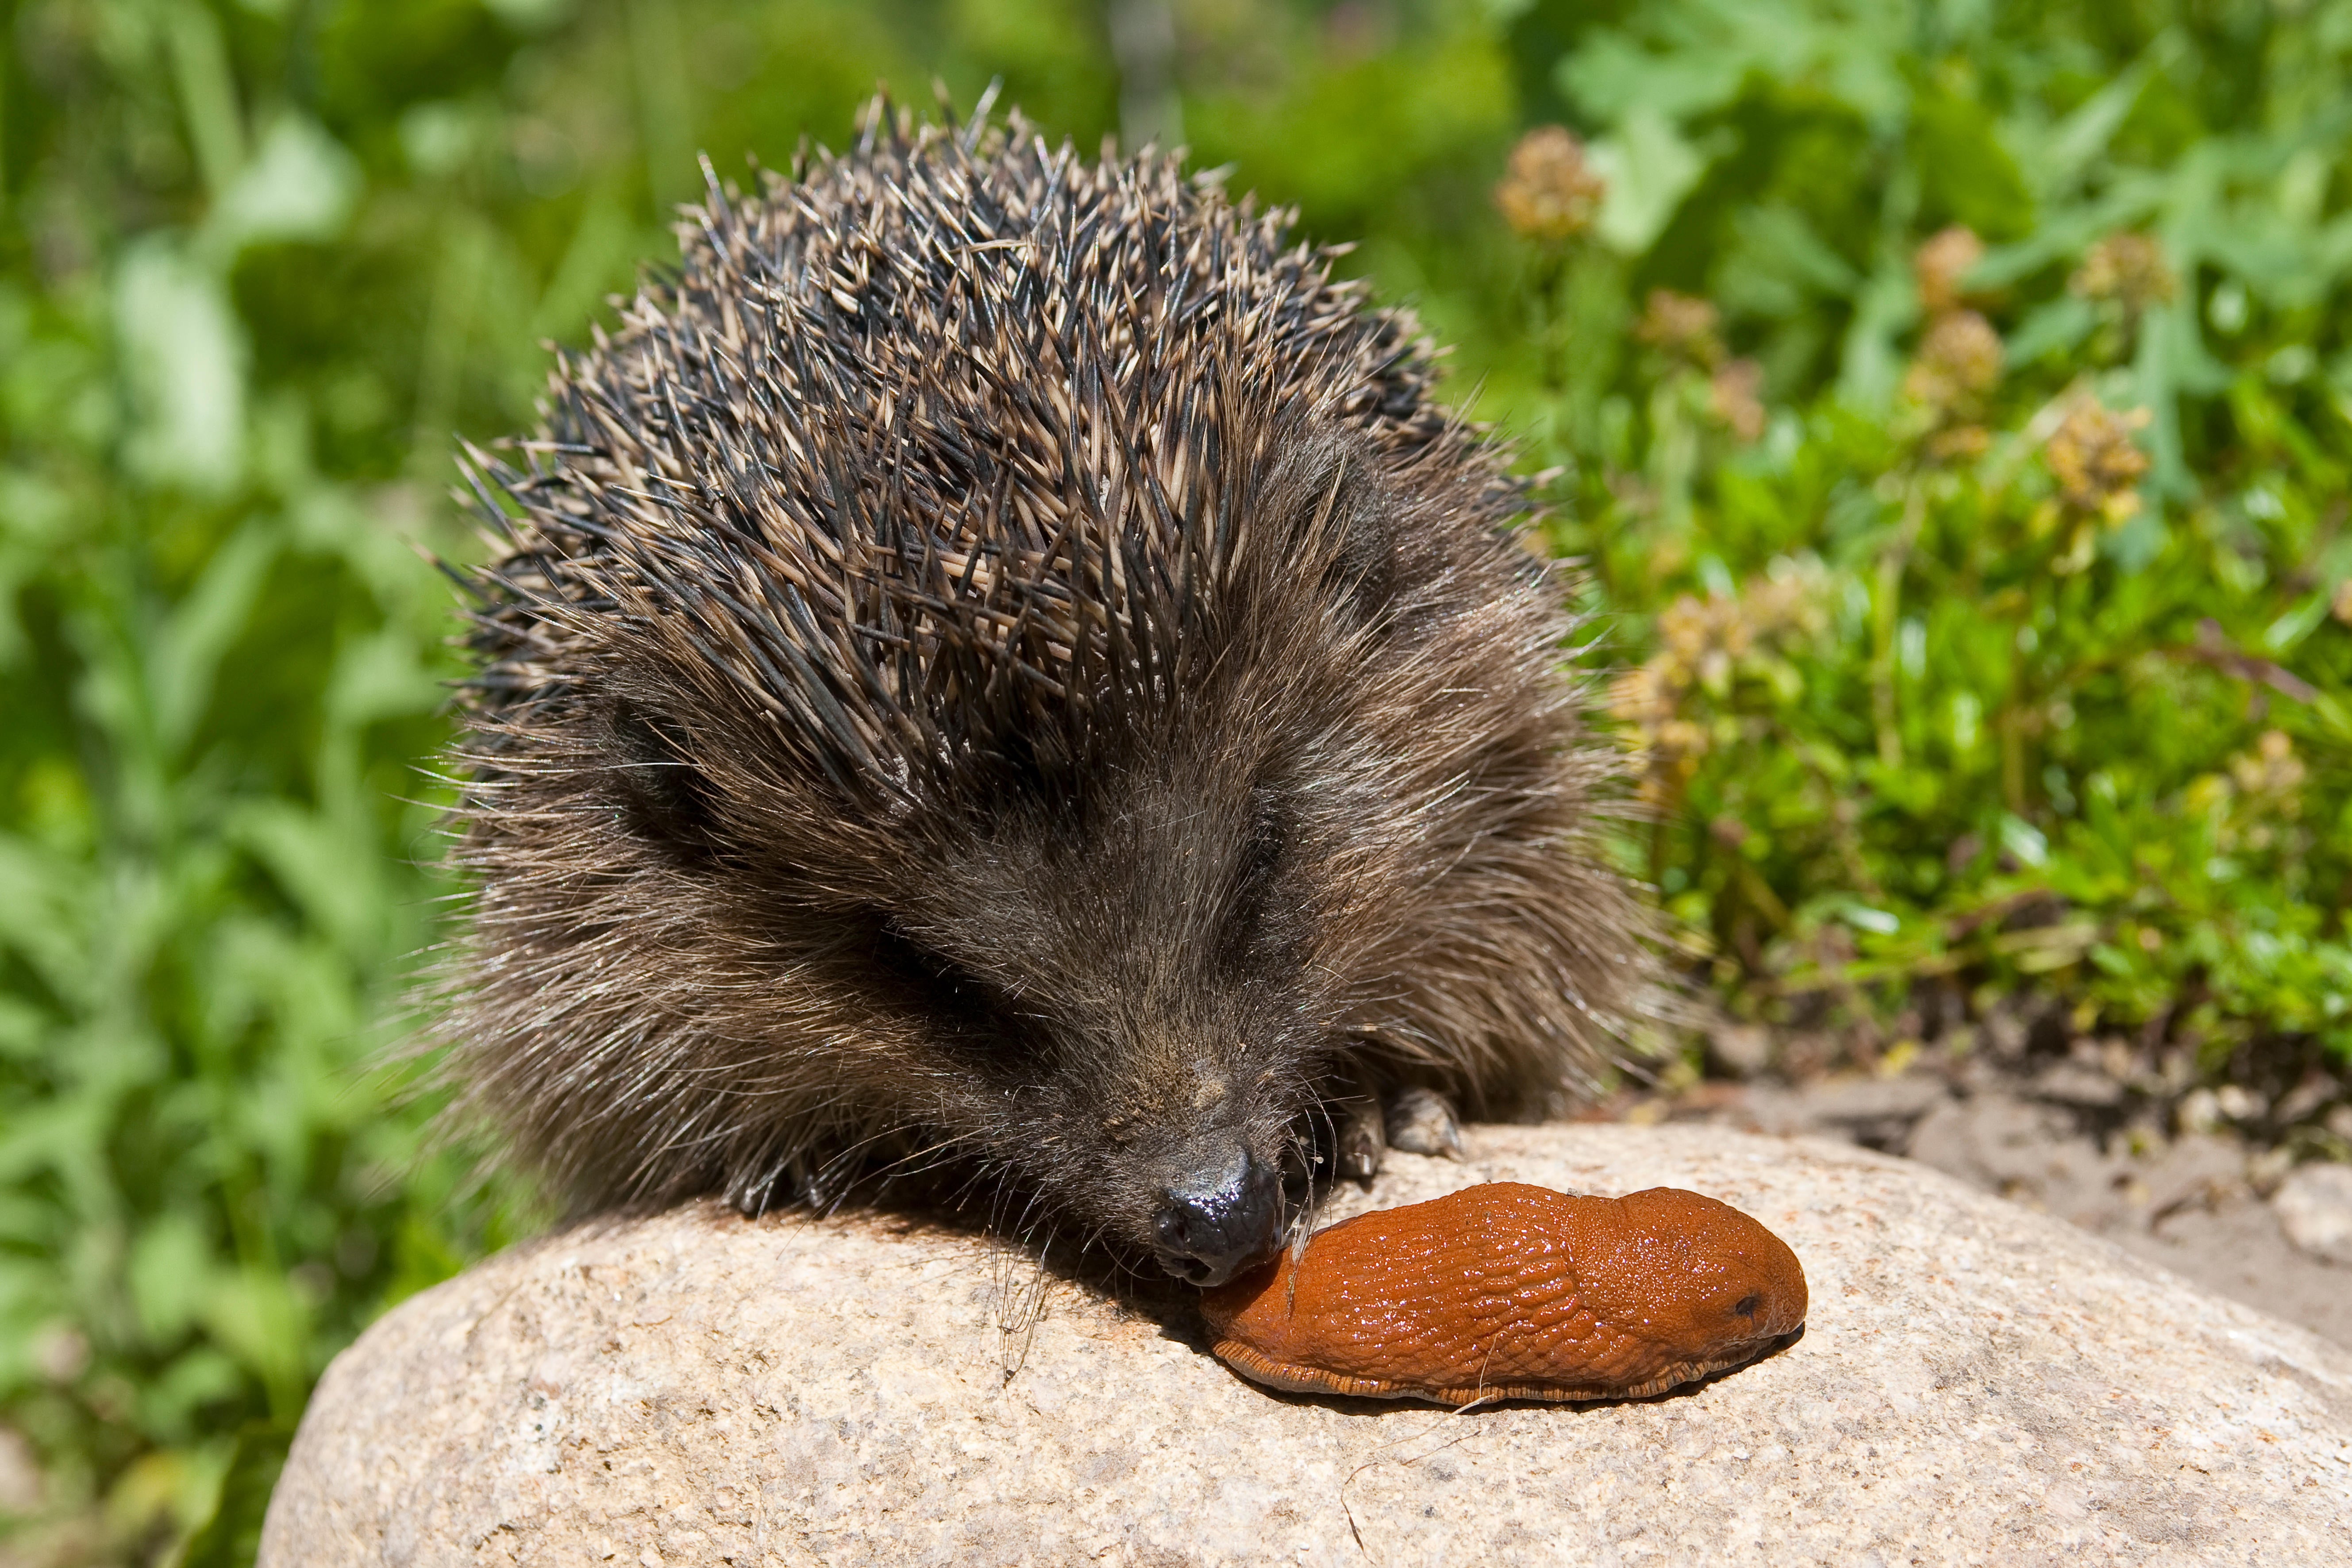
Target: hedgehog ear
(663, 797)
(1366, 570)
(1249, 916)
(1346, 506)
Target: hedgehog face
(1100, 991)
(1110, 997)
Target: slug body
(1510, 1292)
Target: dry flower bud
(2129, 267)
(1958, 360)
(1643, 695)
(1702, 642)
(1551, 193)
(1687, 627)
(1942, 262)
(1733, 395)
(1680, 743)
(1681, 325)
(2097, 464)
(1965, 443)
(2271, 769)
(60, 1352)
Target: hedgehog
(999, 678)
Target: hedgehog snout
(1215, 1219)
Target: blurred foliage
(1951, 401)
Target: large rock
(1976, 1384)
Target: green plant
(1978, 507)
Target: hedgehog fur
(1000, 671)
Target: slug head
(1695, 1276)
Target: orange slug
(1508, 1292)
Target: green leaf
(170, 1274)
(299, 185)
(1650, 167)
(231, 1537)
(188, 647)
(187, 357)
(1966, 175)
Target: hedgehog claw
(1421, 1121)
(1361, 1142)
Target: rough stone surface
(1977, 1384)
(2186, 1204)
(2315, 1205)
(2192, 1203)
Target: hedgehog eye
(1362, 568)
(960, 1008)
(1367, 567)
(664, 798)
(1254, 879)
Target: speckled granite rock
(2315, 1205)
(1977, 1384)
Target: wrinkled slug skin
(1508, 1292)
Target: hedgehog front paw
(1362, 1143)
(1421, 1121)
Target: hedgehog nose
(1215, 1220)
